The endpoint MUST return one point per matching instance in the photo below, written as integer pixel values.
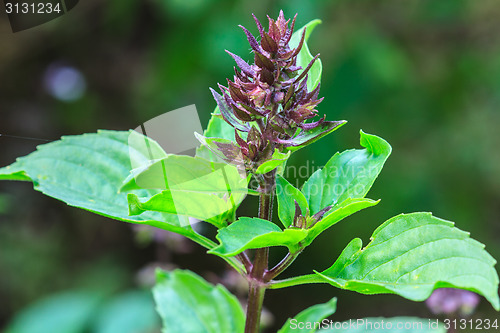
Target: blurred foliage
(423, 74)
(82, 311)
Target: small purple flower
(452, 301)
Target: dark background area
(424, 75)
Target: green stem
(295, 281)
(257, 286)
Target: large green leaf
(306, 321)
(193, 187)
(87, 171)
(411, 255)
(287, 195)
(304, 57)
(68, 312)
(254, 233)
(189, 304)
(392, 325)
(347, 175)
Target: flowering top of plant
(269, 100)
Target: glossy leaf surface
(193, 187)
(347, 175)
(254, 233)
(287, 195)
(86, 171)
(411, 255)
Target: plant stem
(243, 258)
(257, 287)
(282, 265)
(254, 308)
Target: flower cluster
(268, 102)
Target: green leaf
(347, 175)
(129, 312)
(193, 186)
(287, 194)
(86, 171)
(392, 325)
(226, 150)
(304, 57)
(411, 255)
(67, 312)
(305, 321)
(304, 138)
(338, 213)
(276, 160)
(254, 233)
(14, 172)
(217, 128)
(189, 304)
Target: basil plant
(265, 113)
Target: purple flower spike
(269, 99)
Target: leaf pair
(409, 255)
(341, 184)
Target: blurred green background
(423, 74)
